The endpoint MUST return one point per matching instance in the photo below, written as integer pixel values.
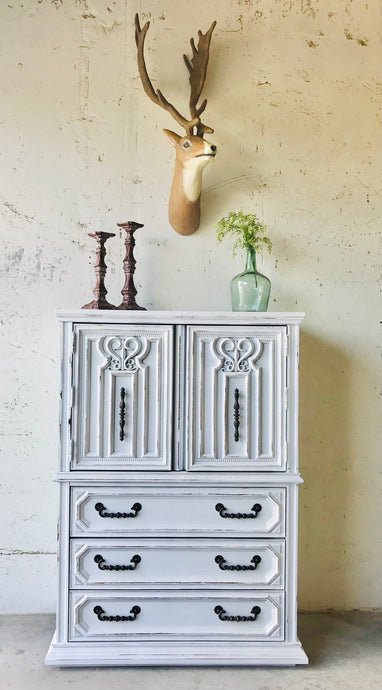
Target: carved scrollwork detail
(237, 354)
(124, 354)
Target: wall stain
(360, 39)
(11, 207)
(14, 259)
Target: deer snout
(209, 149)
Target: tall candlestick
(129, 290)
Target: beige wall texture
(293, 92)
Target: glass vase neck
(251, 260)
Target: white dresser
(178, 481)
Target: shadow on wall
(326, 497)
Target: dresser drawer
(100, 511)
(108, 616)
(167, 563)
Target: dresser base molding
(176, 654)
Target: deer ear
(173, 138)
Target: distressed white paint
(171, 587)
(293, 91)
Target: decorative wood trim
(181, 479)
(228, 318)
(180, 654)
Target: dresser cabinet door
(236, 398)
(122, 397)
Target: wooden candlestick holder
(100, 292)
(129, 290)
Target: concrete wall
(293, 93)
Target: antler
(157, 96)
(197, 68)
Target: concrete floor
(345, 652)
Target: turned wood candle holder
(129, 290)
(100, 292)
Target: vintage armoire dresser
(178, 489)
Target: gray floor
(345, 652)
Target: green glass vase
(250, 290)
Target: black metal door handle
(122, 408)
(100, 613)
(223, 565)
(102, 565)
(222, 510)
(236, 414)
(100, 508)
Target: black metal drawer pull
(236, 414)
(222, 510)
(100, 613)
(223, 565)
(255, 611)
(100, 508)
(103, 565)
(122, 408)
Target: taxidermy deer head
(193, 152)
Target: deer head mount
(193, 152)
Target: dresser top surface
(180, 317)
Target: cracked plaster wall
(293, 92)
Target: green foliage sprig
(247, 230)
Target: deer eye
(186, 144)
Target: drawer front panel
(117, 511)
(236, 398)
(254, 615)
(122, 397)
(160, 563)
